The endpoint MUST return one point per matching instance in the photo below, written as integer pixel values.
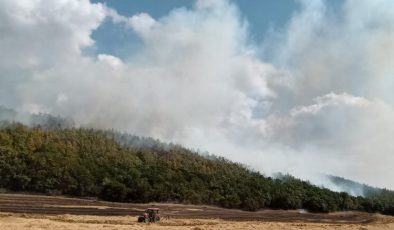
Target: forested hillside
(116, 167)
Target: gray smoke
(314, 97)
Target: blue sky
(315, 96)
(113, 39)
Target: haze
(313, 97)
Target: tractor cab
(150, 215)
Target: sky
(301, 87)
(262, 17)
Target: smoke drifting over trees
(314, 97)
(85, 162)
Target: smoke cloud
(314, 97)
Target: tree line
(126, 168)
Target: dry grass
(73, 222)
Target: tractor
(150, 215)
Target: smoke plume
(313, 97)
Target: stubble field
(19, 211)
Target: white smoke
(340, 96)
(323, 102)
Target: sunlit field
(34, 222)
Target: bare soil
(21, 211)
(36, 204)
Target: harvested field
(19, 211)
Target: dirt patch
(78, 222)
(61, 207)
